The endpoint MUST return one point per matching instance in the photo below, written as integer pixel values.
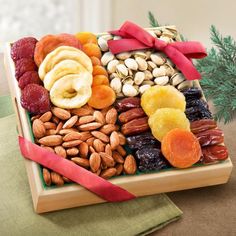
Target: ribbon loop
(159, 44)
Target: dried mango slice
(162, 97)
(166, 119)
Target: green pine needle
(152, 20)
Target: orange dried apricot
(102, 97)
(99, 70)
(86, 37)
(95, 61)
(100, 79)
(92, 49)
(181, 148)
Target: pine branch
(152, 20)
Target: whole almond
(34, 117)
(108, 173)
(60, 151)
(98, 145)
(95, 161)
(67, 131)
(82, 111)
(122, 138)
(38, 129)
(83, 150)
(61, 113)
(50, 149)
(70, 123)
(130, 165)
(72, 136)
(91, 149)
(99, 117)
(119, 168)
(81, 161)
(117, 157)
(51, 140)
(103, 166)
(107, 129)
(85, 120)
(72, 143)
(121, 150)
(90, 126)
(72, 151)
(98, 172)
(57, 179)
(46, 116)
(59, 127)
(107, 159)
(105, 110)
(114, 140)
(55, 119)
(90, 141)
(85, 135)
(66, 179)
(111, 116)
(50, 132)
(50, 125)
(108, 149)
(47, 177)
(103, 137)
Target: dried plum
(192, 93)
(198, 112)
(197, 102)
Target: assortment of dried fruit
(113, 114)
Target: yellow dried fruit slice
(158, 97)
(166, 119)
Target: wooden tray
(47, 199)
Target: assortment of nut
(90, 138)
(132, 73)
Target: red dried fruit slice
(23, 65)
(35, 99)
(29, 77)
(49, 42)
(23, 48)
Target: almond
(99, 117)
(98, 145)
(91, 149)
(98, 172)
(90, 141)
(61, 113)
(70, 123)
(107, 129)
(107, 159)
(72, 151)
(119, 168)
(46, 116)
(50, 149)
(121, 150)
(72, 136)
(34, 117)
(117, 157)
(50, 132)
(47, 177)
(55, 119)
(103, 137)
(67, 131)
(114, 140)
(108, 173)
(85, 135)
(59, 127)
(81, 161)
(72, 143)
(95, 161)
(83, 149)
(51, 140)
(90, 126)
(85, 120)
(105, 110)
(38, 128)
(130, 166)
(111, 116)
(122, 138)
(82, 111)
(66, 179)
(56, 179)
(50, 125)
(108, 149)
(60, 151)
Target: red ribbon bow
(180, 53)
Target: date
(127, 104)
(202, 125)
(131, 114)
(135, 126)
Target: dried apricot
(95, 61)
(166, 119)
(162, 97)
(86, 37)
(102, 96)
(181, 148)
(99, 70)
(92, 49)
(100, 79)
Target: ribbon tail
(85, 178)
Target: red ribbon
(180, 53)
(92, 182)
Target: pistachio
(142, 64)
(185, 84)
(148, 75)
(166, 39)
(169, 62)
(169, 69)
(176, 79)
(131, 64)
(114, 75)
(151, 65)
(107, 37)
(157, 32)
(139, 53)
(107, 57)
(128, 81)
(163, 80)
(129, 90)
(111, 66)
(130, 72)
(139, 78)
(122, 70)
(123, 55)
(103, 44)
(144, 87)
(116, 85)
(150, 82)
(157, 72)
(158, 59)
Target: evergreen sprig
(152, 20)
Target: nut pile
(90, 138)
(132, 73)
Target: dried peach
(86, 37)
(162, 97)
(99, 70)
(166, 119)
(100, 79)
(95, 61)
(102, 96)
(92, 49)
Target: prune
(192, 93)
(198, 113)
(150, 159)
(142, 140)
(197, 102)
(23, 65)
(127, 103)
(29, 77)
